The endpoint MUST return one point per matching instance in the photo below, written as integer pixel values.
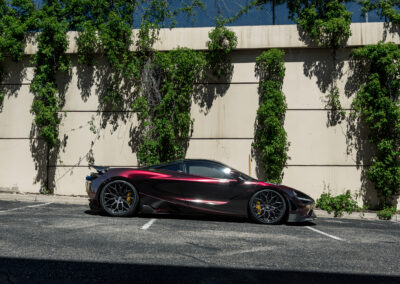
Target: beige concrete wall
(322, 156)
(249, 37)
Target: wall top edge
(249, 37)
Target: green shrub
(387, 213)
(337, 204)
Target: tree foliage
(270, 139)
(377, 104)
(326, 22)
(387, 9)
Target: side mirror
(239, 179)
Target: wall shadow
(206, 93)
(327, 67)
(212, 87)
(391, 28)
(12, 75)
(20, 270)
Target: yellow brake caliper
(258, 207)
(128, 197)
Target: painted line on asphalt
(148, 224)
(325, 234)
(29, 206)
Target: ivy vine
(270, 144)
(167, 120)
(15, 21)
(168, 84)
(49, 59)
(377, 104)
(222, 42)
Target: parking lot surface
(66, 243)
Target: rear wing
(101, 170)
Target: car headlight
(303, 197)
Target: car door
(208, 183)
(167, 184)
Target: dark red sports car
(195, 187)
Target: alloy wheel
(268, 206)
(119, 198)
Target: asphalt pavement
(44, 242)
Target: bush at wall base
(386, 213)
(337, 204)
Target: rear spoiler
(101, 170)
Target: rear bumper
(91, 194)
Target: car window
(172, 167)
(206, 169)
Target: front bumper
(302, 214)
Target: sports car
(195, 187)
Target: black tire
(267, 206)
(94, 206)
(119, 198)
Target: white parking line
(148, 224)
(29, 206)
(325, 234)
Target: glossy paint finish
(166, 191)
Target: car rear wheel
(119, 198)
(267, 206)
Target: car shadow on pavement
(23, 270)
(211, 218)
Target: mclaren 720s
(195, 187)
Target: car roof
(186, 160)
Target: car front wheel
(267, 206)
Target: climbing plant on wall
(222, 42)
(169, 84)
(49, 59)
(15, 21)
(270, 144)
(166, 117)
(378, 105)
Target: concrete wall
(323, 157)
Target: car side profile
(195, 186)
